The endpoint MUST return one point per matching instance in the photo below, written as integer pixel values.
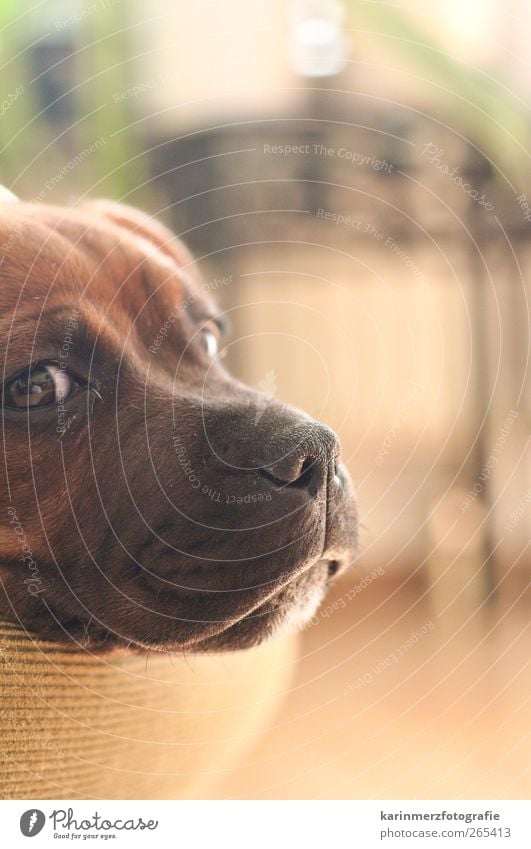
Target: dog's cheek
(39, 535)
(21, 533)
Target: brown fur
(124, 547)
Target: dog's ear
(145, 227)
(7, 196)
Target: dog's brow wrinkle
(63, 311)
(154, 252)
(147, 283)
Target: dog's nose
(307, 457)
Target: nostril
(310, 474)
(289, 472)
(311, 456)
(305, 475)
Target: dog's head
(148, 497)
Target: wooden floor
(374, 712)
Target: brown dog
(144, 501)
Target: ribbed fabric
(129, 726)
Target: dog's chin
(285, 614)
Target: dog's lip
(339, 474)
(337, 550)
(203, 644)
(258, 609)
(334, 558)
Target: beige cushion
(129, 726)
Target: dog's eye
(39, 385)
(209, 335)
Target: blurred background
(354, 181)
